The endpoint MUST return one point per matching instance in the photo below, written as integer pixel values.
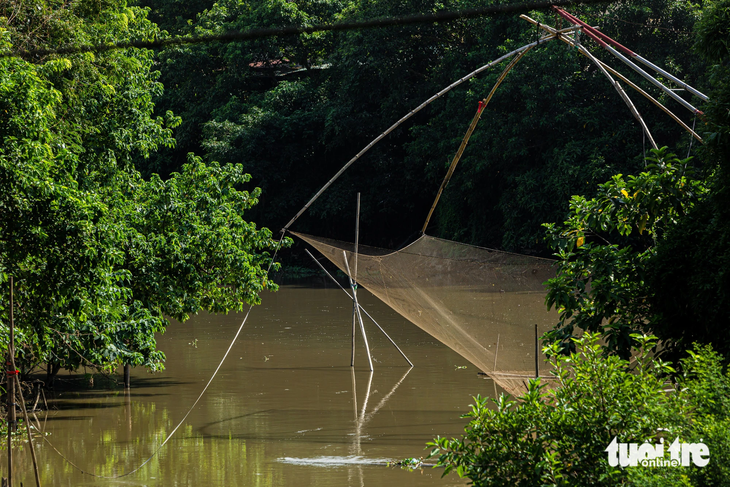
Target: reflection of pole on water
(385, 398)
(356, 448)
(364, 416)
(128, 407)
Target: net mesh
(483, 304)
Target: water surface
(285, 409)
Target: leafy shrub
(559, 436)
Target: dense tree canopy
(102, 247)
(294, 110)
(99, 255)
(649, 253)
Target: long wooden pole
(10, 370)
(30, 436)
(354, 279)
(457, 157)
(597, 37)
(357, 308)
(354, 321)
(618, 89)
(537, 354)
(357, 237)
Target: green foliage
(605, 248)
(294, 110)
(558, 436)
(689, 275)
(100, 256)
(192, 244)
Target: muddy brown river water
(286, 409)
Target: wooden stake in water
(362, 310)
(537, 354)
(354, 280)
(127, 376)
(357, 308)
(10, 368)
(30, 436)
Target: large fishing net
(483, 304)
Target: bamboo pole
(620, 91)
(496, 352)
(352, 336)
(30, 436)
(403, 119)
(537, 354)
(633, 55)
(354, 280)
(10, 371)
(354, 393)
(361, 308)
(457, 157)
(622, 94)
(611, 70)
(357, 237)
(593, 34)
(357, 307)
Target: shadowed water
(285, 408)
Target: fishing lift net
(483, 304)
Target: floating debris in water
(334, 461)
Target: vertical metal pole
(10, 368)
(537, 354)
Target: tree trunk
(127, 376)
(52, 369)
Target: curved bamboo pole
(621, 93)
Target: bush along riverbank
(608, 421)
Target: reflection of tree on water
(362, 419)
